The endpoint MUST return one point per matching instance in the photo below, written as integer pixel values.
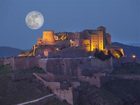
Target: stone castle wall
(62, 69)
(70, 66)
(18, 63)
(58, 66)
(62, 94)
(59, 69)
(66, 95)
(95, 80)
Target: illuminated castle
(96, 39)
(89, 40)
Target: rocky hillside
(127, 91)
(115, 92)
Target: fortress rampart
(58, 66)
(63, 75)
(18, 63)
(70, 66)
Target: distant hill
(129, 50)
(134, 44)
(9, 51)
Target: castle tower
(48, 37)
(102, 28)
(101, 40)
(94, 42)
(102, 31)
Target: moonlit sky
(120, 17)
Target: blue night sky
(120, 17)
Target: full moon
(34, 20)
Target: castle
(96, 39)
(87, 40)
(65, 74)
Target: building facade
(96, 40)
